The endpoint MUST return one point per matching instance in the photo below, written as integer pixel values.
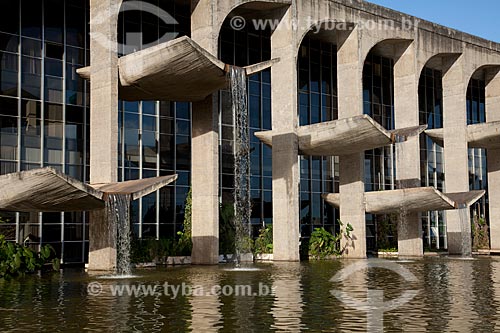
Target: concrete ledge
(178, 70)
(485, 135)
(343, 137)
(417, 199)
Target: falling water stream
(400, 157)
(465, 232)
(117, 207)
(242, 203)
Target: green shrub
(323, 244)
(480, 233)
(17, 260)
(264, 242)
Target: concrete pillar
(493, 158)
(205, 182)
(350, 103)
(406, 81)
(456, 154)
(205, 149)
(103, 123)
(285, 147)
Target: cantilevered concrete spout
(178, 70)
(136, 188)
(419, 199)
(344, 136)
(48, 190)
(484, 135)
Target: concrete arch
(440, 61)
(208, 16)
(325, 28)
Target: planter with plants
(325, 245)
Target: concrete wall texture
(356, 27)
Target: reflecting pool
(452, 295)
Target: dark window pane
(31, 21)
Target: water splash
(242, 203)
(117, 207)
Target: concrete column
(103, 122)
(407, 153)
(493, 158)
(456, 154)
(350, 103)
(285, 147)
(205, 182)
(205, 149)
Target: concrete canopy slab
(47, 190)
(178, 70)
(466, 199)
(418, 199)
(136, 188)
(343, 137)
(485, 135)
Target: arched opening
(317, 102)
(243, 45)
(430, 102)
(478, 157)
(378, 103)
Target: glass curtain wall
(317, 94)
(430, 91)
(44, 110)
(378, 99)
(478, 172)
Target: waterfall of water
(465, 228)
(117, 207)
(242, 203)
(400, 184)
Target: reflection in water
(454, 295)
(287, 305)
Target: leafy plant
(480, 232)
(264, 242)
(323, 244)
(17, 260)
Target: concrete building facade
(334, 60)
